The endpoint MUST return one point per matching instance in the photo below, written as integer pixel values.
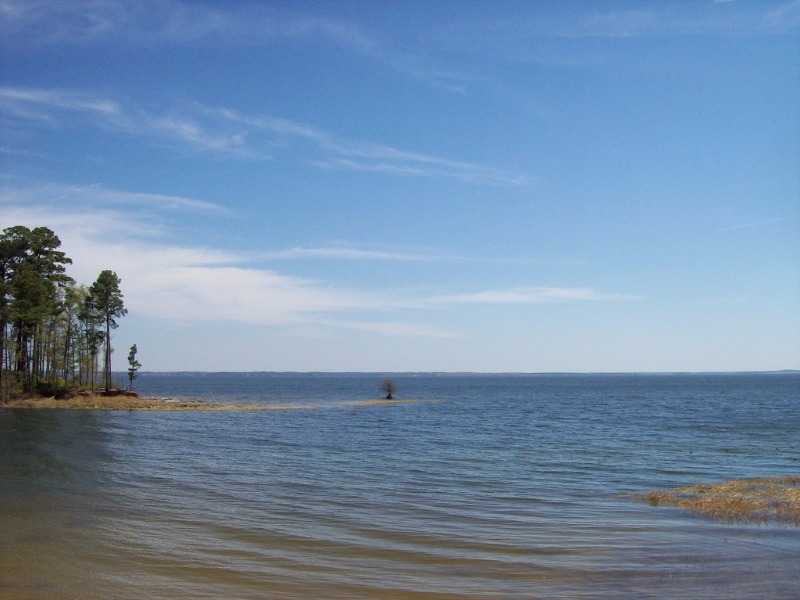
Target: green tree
(107, 301)
(32, 271)
(133, 366)
(90, 340)
(70, 316)
(30, 294)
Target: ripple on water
(506, 488)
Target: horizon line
(265, 372)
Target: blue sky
(418, 186)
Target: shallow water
(490, 487)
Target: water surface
(491, 487)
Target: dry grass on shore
(762, 501)
(118, 402)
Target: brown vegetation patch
(763, 500)
(121, 401)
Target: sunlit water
(490, 487)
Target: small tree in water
(133, 366)
(388, 387)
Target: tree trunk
(107, 366)
(67, 348)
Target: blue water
(491, 486)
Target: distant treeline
(52, 328)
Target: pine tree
(107, 301)
(32, 273)
(133, 366)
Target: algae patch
(762, 500)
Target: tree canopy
(50, 327)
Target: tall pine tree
(107, 301)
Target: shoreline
(127, 401)
(131, 401)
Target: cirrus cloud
(231, 133)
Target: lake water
(501, 486)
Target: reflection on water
(507, 488)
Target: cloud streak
(529, 295)
(228, 132)
(97, 194)
(347, 253)
(760, 223)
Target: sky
(435, 185)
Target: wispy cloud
(99, 214)
(347, 253)
(398, 328)
(338, 152)
(783, 18)
(20, 152)
(225, 131)
(132, 21)
(82, 197)
(502, 38)
(257, 296)
(761, 223)
(154, 22)
(173, 282)
(165, 280)
(45, 104)
(196, 135)
(149, 22)
(669, 19)
(529, 295)
(156, 200)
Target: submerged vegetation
(52, 329)
(763, 500)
